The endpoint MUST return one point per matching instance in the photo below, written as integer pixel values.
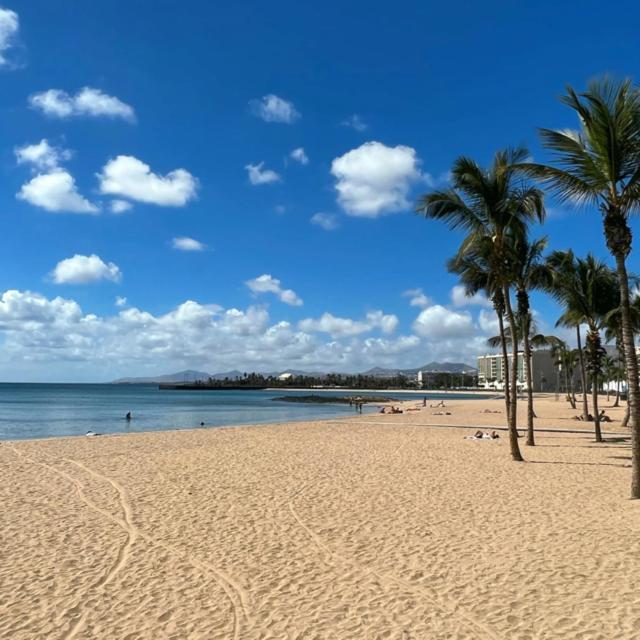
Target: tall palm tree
(587, 297)
(531, 340)
(600, 166)
(476, 274)
(489, 204)
(529, 272)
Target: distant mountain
(432, 367)
(188, 375)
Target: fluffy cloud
(459, 298)
(85, 269)
(299, 155)
(374, 179)
(55, 191)
(9, 25)
(86, 102)
(268, 284)
(327, 221)
(39, 333)
(417, 298)
(129, 177)
(43, 335)
(488, 322)
(355, 122)
(346, 327)
(187, 244)
(119, 206)
(258, 175)
(272, 108)
(41, 156)
(439, 322)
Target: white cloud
(55, 191)
(131, 178)
(280, 209)
(300, 156)
(84, 269)
(268, 284)
(327, 221)
(417, 298)
(54, 339)
(355, 122)
(86, 102)
(187, 244)
(459, 298)
(488, 322)
(121, 301)
(272, 108)
(120, 206)
(438, 322)
(258, 175)
(374, 179)
(346, 327)
(9, 25)
(41, 156)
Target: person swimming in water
(128, 416)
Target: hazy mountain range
(190, 375)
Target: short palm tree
(587, 297)
(488, 204)
(564, 278)
(599, 165)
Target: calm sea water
(48, 410)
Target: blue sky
(163, 106)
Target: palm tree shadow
(587, 464)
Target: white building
(543, 371)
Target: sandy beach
(377, 526)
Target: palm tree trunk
(570, 395)
(594, 400)
(513, 411)
(627, 413)
(505, 365)
(633, 392)
(583, 377)
(527, 363)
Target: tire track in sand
(225, 581)
(234, 592)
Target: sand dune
(373, 527)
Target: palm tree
(609, 372)
(529, 272)
(566, 360)
(476, 274)
(489, 204)
(564, 278)
(600, 166)
(532, 340)
(588, 292)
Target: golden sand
(371, 527)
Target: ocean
(51, 410)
